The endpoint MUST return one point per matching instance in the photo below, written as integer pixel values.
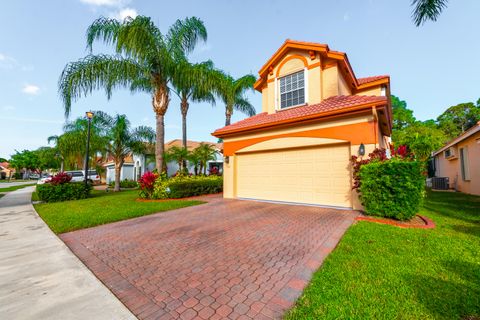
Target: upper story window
(292, 90)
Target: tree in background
(427, 10)
(145, 61)
(47, 158)
(459, 118)
(122, 140)
(232, 93)
(402, 116)
(420, 137)
(25, 160)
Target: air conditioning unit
(450, 153)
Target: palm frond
(427, 10)
(184, 35)
(244, 106)
(96, 72)
(244, 83)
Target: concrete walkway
(16, 183)
(40, 278)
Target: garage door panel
(312, 175)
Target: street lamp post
(89, 115)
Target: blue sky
(431, 67)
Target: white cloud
(105, 3)
(31, 89)
(8, 108)
(124, 13)
(7, 62)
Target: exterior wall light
(361, 149)
(227, 159)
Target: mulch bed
(419, 222)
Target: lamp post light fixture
(361, 149)
(89, 115)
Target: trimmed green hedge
(392, 189)
(125, 184)
(62, 192)
(182, 187)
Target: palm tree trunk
(160, 102)
(228, 117)
(118, 171)
(184, 109)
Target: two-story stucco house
(315, 115)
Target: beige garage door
(319, 175)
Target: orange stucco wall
(451, 168)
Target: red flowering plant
(60, 178)
(378, 155)
(147, 184)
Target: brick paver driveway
(227, 259)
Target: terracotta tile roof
(190, 144)
(334, 105)
(371, 79)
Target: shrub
(392, 189)
(182, 187)
(60, 178)
(49, 192)
(147, 183)
(125, 184)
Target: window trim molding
(277, 90)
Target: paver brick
(228, 259)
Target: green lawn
(16, 187)
(384, 272)
(101, 208)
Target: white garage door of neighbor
(319, 175)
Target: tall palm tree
(196, 83)
(427, 10)
(145, 61)
(123, 140)
(232, 92)
(56, 140)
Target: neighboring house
(5, 170)
(459, 161)
(135, 166)
(315, 115)
(172, 167)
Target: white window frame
(464, 164)
(278, 100)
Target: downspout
(375, 120)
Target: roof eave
(294, 120)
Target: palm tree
(123, 140)
(55, 139)
(427, 10)
(193, 82)
(145, 61)
(232, 92)
(205, 152)
(179, 155)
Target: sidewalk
(40, 278)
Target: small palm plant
(123, 140)
(205, 152)
(145, 61)
(232, 92)
(180, 155)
